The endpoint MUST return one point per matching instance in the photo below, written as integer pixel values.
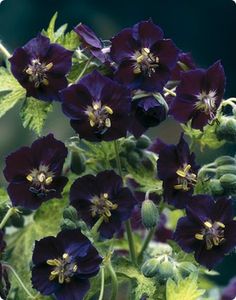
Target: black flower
(146, 112)
(34, 173)
(102, 196)
(229, 293)
(40, 67)
(199, 94)
(64, 264)
(98, 107)
(177, 169)
(208, 230)
(144, 58)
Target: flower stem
(127, 223)
(114, 282)
(5, 52)
(96, 226)
(146, 242)
(102, 284)
(20, 281)
(11, 211)
(84, 68)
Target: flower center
(146, 62)
(186, 178)
(63, 268)
(207, 103)
(37, 72)
(212, 233)
(40, 178)
(102, 206)
(98, 116)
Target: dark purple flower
(208, 230)
(163, 233)
(34, 173)
(185, 63)
(4, 283)
(2, 243)
(98, 107)
(40, 67)
(145, 113)
(144, 58)
(177, 169)
(91, 42)
(229, 293)
(64, 264)
(102, 196)
(199, 94)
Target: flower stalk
(11, 211)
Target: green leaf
(142, 284)
(11, 92)
(205, 138)
(70, 40)
(184, 289)
(46, 223)
(34, 114)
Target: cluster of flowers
(142, 66)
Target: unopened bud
(150, 267)
(216, 187)
(226, 169)
(186, 268)
(77, 162)
(149, 213)
(227, 130)
(228, 182)
(143, 142)
(225, 160)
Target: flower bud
(225, 160)
(216, 187)
(150, 267)
(226, 169)
(149, 213)
(129, 144)
(133, 158)
(143, 142)
(228, 182)
(227, 130)
(77, 164)
(166, 270)
(186, 268)
(70, 213)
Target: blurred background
(206, 28)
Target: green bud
(227, 130)
(149, 213)
(68, 224)
(186, 268)
(216, 187)
(133, 158)
(17, 221)
(143, 142)
(150, 267)
(228, 182)
(70, 213)
(226, 169)
(166, 270)
(225, 160)
(129, 144)
(77, 164)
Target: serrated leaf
(46, 223)
(184, 289)
(51, 28)
(34, 114)
(70, 40)
(11, 91)
(143, 285)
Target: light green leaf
(184, 289)
(34, 114)
(70, 40)
(50, 33)
(11, 91)
(143, 285)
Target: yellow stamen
(49, 66)
(199, 236)
(29, 178)
(108, 123)
(220, 224)
(208, 224)
(54, 262)
(108, 109)
(48, 180)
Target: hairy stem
(146, 242)
(102, 284)
(114, 282)
(4, 51)
(11, 211)
(19, 280)
(84, 68)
